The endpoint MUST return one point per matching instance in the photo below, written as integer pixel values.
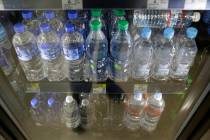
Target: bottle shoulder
(48, 37)
(23, 38)
(96, 36)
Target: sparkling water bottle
(70, 113)
(152, 112)
(72, 43)
(54, 22)
(163, 56)
(28, 54)
(143, 55)
(134, 111)
(120, 53)
(97, 50)
(31, 24)
(51, 53)
(79, 24)
(186, 50)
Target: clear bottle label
(143, 70)
(163, 69)
(182, 69)
(50, 51)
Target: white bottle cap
(85, 102)
(69, 99)
(196, 17)
(158, 96)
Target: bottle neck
(123, 32)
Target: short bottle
(28, 53)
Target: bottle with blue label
(72, 43)
(143, 55)
(51, 53)
(97, 51)
(163, 55)
(28, 53)
(120, 53)
(185, 54)
(79, 24)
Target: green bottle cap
(95, 25)
(122, 25)
(96, 12)
(119, 13)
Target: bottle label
(182, 69)
(163, 69)
(143, 70)
(74, 52)
(50, 51)
(26, 53)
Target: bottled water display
(143, 55)
(163, 55)
(97, 51)
(120, 53)
(51, 53)
(70, 113)
(31, 24)
(153, 111)
(72, 43)
(164, 18)
(186, 50)
(28, 54)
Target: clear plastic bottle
(120, 53)
(163, 55)
(143, 55)
(186, 51)
(152, 112)
(72, 43)
(28, 53)
(79, 24)
(31, 24)
(97, 51)
(51, 53)
(70, 113)
(55, 23)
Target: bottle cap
(85, 102)
(122, 24)
(50, 101)
(191, 32)
(49, 14)
(168, 33)
(2, 32)
(196, 16)
(19, 28)
(158, 96)
(96, 13)
(27, 14)
(146, 32)
(138, 96)
(72, 14)
(45, 27)
(69, 99)
(34, 102)
(69, 27)
(119, 13)
(95, 25)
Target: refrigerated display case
(104, 103)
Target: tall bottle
(72, 43)
(152, 112)
(143, 55)
(186, 50)
(51, 53)
(28, 53)
(70, 113)
(163, 56)
(120, 53)
(97, 51)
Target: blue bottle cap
(34, 102)
(19, 28)
(27, 14)
(72, 14)
(50, 101)
(191, 32)
(138, 96)
(45, 27)
(2, 32)
(146, 32)
(49, 14)
(158, 96)
(69, 27)
(168, 33)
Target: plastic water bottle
(72, 43)
(28, 54)
(97, 51)
(79, 24)
(134, 111)
(186, 50)
(31, 24)
(51, 53)
(152, 112)
(163, 56)
(55, 23)
(143, 55)
(70, 113)
(120, 53)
